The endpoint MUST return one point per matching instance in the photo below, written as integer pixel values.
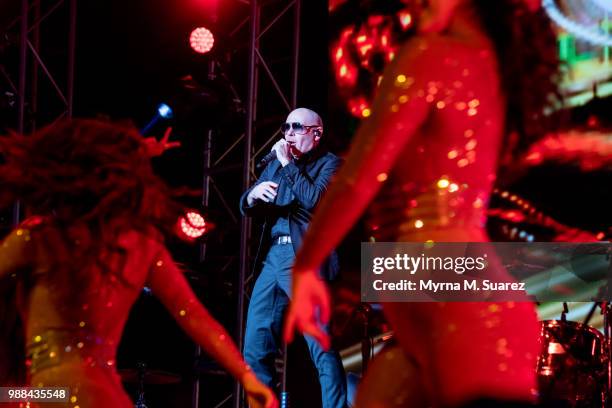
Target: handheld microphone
(266, 159)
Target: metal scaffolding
(31, 64)
(260, 131)
(257, 64)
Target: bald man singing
(286, 194)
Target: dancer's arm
(170, 286)
(15, 251)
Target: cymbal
(132, 376)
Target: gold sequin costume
(74, 324)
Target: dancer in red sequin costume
(477, 70)
(82, 261)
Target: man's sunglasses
(297, 127)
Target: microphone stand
(284, 403)
(564, 312)
(140, 403)
(605, 311)
(364, 311)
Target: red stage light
(192, 225)
(201, 40)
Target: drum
(572, 365)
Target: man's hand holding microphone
(266, 191)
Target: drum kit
(574, 367)
(142, 376)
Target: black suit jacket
(308, 181)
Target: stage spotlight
(164, 111)
(192, 226)
(201, 40)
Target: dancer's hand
(158, 147)
(310, 307)
(258, 395)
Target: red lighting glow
(357, 55)
(201, 40)
(359, 107)
(192, 225)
